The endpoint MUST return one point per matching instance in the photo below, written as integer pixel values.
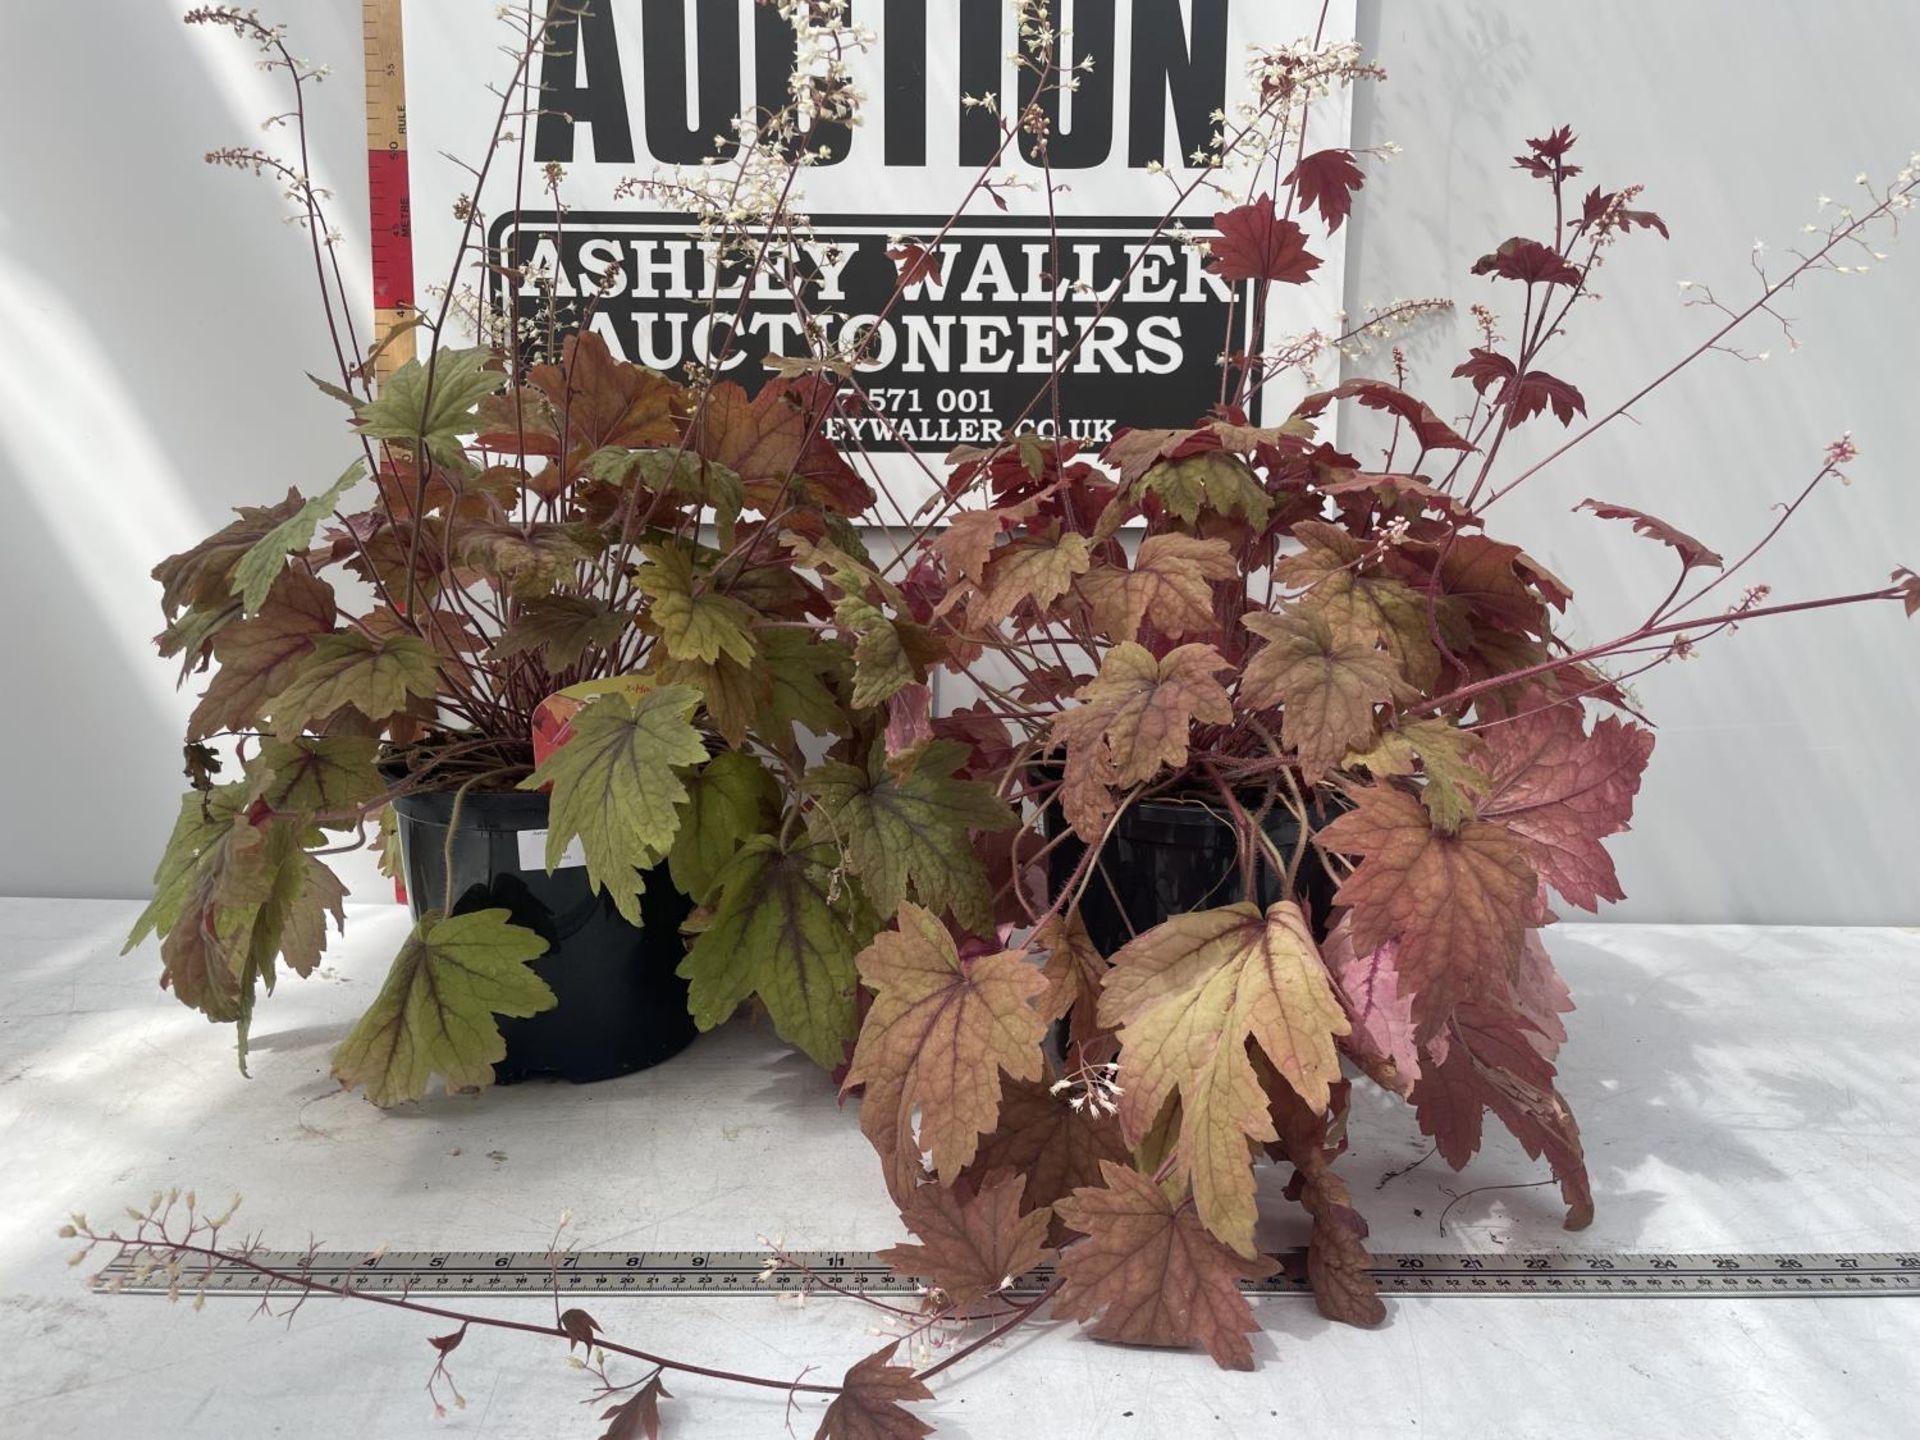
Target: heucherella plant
(1245, 618)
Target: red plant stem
(1020, 1317)
(1767, 296)
(1593, 652)
(525, 1327)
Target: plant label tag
(533, 852)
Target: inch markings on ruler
(389, 191)
(747, 1272)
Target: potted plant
(1277, 763)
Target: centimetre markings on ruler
(389, 191)
(745, 1272)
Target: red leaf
(447, 1344)
(916, 263)
(1691, 551)
(1152, 1273)
(971, 1245)
(868, 1405)
(639, 1415)
(579, 1327)
(1562, 790)
(1255, 243)
(1456, 903)
(1327, 180)
(1338, 1265)
(1429, 429)
(1909, 584)
(1528, 394)
(1491, 1062)
(1528, 260)
(1546, 156)
(1056, 1147)
(1380, 1011)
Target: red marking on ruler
(390, 207)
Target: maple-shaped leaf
(784, 928)
(773, 443)
(1171, 582)
(374, 676)
(916, 263)
(1447, 756)
(1529, 261)
(889, 654)
(729, 798)
(907, 824)
(799, 665)
(1529, 394)
(203, 576)
(1381, 1013)
(435, 1013)
(1428, 429)
(1033, 570)
(1256, 243)
(694, 620)
(868, 1406)
(1563, 790)
(259, 657)
(971, 1245)
(1213, 481)
(596, 400)
(1456, 903)
(266, 558)
(1055, 1144)
(1151, 1274)
(1338, 1265)
(1327, 181)
(638, 1416)
(1075, 969)
(1490, 1061)
(1187, 996)
(1327, 685)
(1493, 582)
(1690, 550)
(432, 403)
(579, 1327)
(336, 776)
(561, 628)
(1133, 718)
(670, 471)
(1374, 608)
(940, 1032)
(614, 785)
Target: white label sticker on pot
(533, 852)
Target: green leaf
(203, 576)
(798, 660)
(433, 405)
(1213, 480)
(260, 657)
(700, 626)
(675, 472)
(909, 835)
(375, 676)
(563, 627)
(731, 797)
(311, 776)
(1446, 754)
(614, 786)
(434, 1015)
(889, 654)
(256, 571)
(193, 634)
(203, 819)
(783, 931)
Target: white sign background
(962, 362)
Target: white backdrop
(150, 378)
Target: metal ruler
(748, 1272)
(389, 191)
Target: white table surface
(1740, 1089)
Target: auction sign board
(635, 88)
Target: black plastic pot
(621, 1008)
(1166, 857)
